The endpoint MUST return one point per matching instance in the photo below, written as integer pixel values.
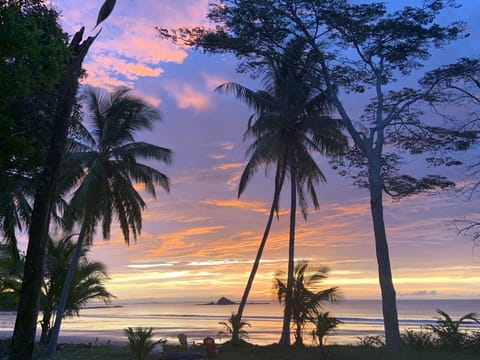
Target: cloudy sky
(200, 240)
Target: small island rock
(225, 301)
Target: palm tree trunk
(287, 315)
(246, 292)
(62, 302)
(45, 326)
(243, 301)
(298, 336)
(389, 304)
(27, 314)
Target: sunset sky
(200, 240)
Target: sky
(199, 241)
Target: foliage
(418, 340)
(290, 122)
(105, 170)
(62, 116)
(364, 51)
(88, 283)
(32, 57)
(307, 298)
(107, 160)
(340, 352)
(371, 341)
(448, 331)
(235, 327)
(324, 325)
(140, 341)
(11, 271)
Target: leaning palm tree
(307, 299)
(88, 282)
(106, 188)
(289, 123)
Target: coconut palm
(88, 282)
(307, 299)
(289, 123)
(109, 161)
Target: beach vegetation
(307, 299)
(11, 271)
(324, 325)
(366, 54)
(140, 341)
(62, 101)
(235, 327)
(88, 283)
(337, 352)
(447, 331)
(290, 122)
(33, 53)
(106, 169)
(418, 340)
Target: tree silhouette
(106, 188)
(289, 123)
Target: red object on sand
(210, 347)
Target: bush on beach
(140, 342)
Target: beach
(100, 324)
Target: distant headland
(226, 301)
(222, 301)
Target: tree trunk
(298, 336)
(389, 305)
(246, 292)
(45, 326)
(287, 315)
(27, 314)
(62, 302)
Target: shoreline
(105, 324)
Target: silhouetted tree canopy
(369, 55)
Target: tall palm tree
(290, 121)
(307, 299)
(109, 161)
(88, 282)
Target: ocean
(168, 319)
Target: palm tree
(236, 325)
(324, 325)
(88, 282)
(448, 331)
(307, 300)
(289, 122)
(109, 161)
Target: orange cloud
(187, 96)
(255, 206)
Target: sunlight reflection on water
(360, 318)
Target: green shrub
(324, 325)
(418, 340)
(371, 341)
(140, 342)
